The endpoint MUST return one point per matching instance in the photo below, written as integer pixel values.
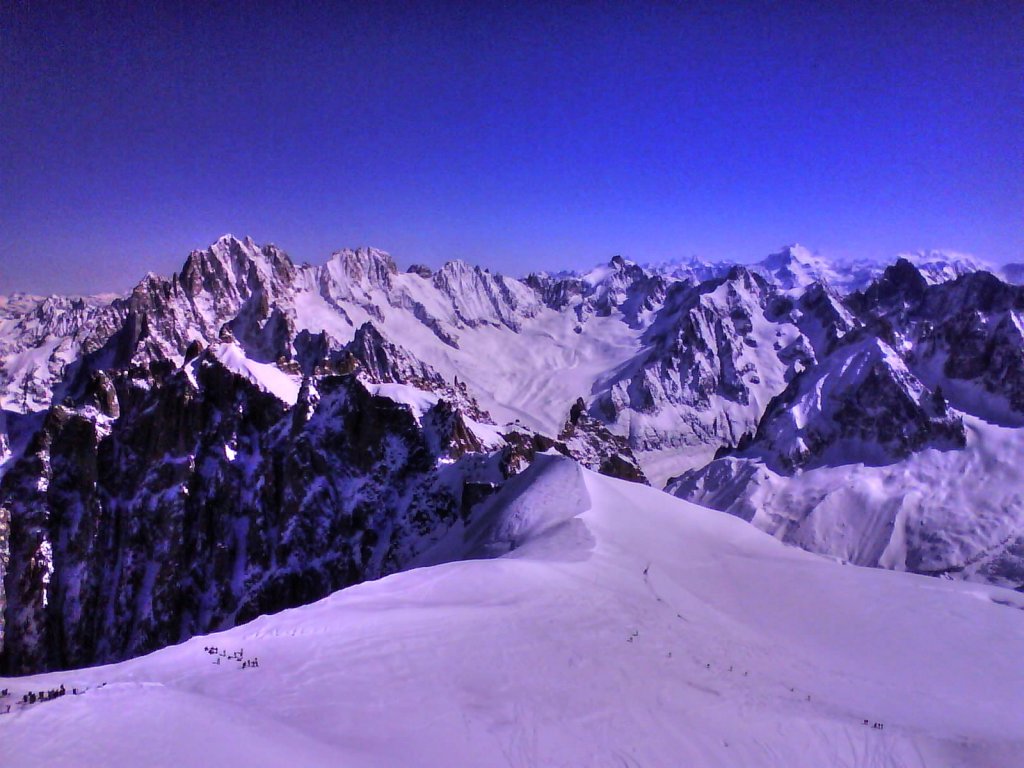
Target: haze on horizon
(517, 138)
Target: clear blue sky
(533, 136)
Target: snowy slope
(625, 627)
(709, 364)
(795, 268)
(642, 373)
(958, 513)
(268, 378)
(901, 446)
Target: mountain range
(251, 434)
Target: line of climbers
(238, 655)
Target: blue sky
(518, 136)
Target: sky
(520, 137)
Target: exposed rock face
(621, 287)
(860, 404)
(594, 446)
(374, 357)
(42, 338)
(207, 504)
(213, 456)
(966, 336)
(712, 359)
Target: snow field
(624, 627)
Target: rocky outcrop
(594, 446)
(965, 336)
(205, 504)
(895, 448)
(860, 404)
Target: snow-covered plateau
(602, 623)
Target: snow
(953, 509)
(625, 628)
(418, 400)
(938, 266)
(682, 426)
(267, 377)
(795, 267)
(519, 359)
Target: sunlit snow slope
(621, 627)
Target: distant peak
(940, 256)
(794, 253)
(366, 263)
(229, 242)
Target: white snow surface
(956, 508)
(622, 628)
(420, 401)
(267, 377)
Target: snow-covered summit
(940, 266)
(795, 268)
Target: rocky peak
(557, 292)
(377, 359)
(620, 286)
(594, 446)
(862, 404)
(367, 267)
(901, 284)
(232, 270)
(420, 269)
(226, 504)
(824, 318)
(479, 297)
(795, 267)
(980, 292)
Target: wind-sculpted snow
(683, 637)
(538, 508)
(268, 378)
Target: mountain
(244, 439)
(902, 447)
(610, 625)
(795, 268)
(708, 364)
(250, 434)
(1013, 273)
(942, 266)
